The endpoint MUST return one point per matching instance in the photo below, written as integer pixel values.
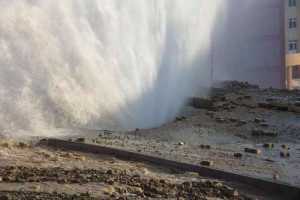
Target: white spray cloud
(100, 63)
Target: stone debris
(276, 177)
(284, 154)
(25, 195)
(237, 85)
(23, 145)
(268, 145)
(182, 118)
(201, 103)
(281, 105)
(120, 185)
(261, 132)
(294, 108)
(180, 143)
(203, 146)
(284, 146)
(259, 120)
(220, 120)
(81, 140)
(238, 155)
(207, 163)
(264, 125)
(253, 151)
(241, 122)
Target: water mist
(100, 63)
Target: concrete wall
(248, 43)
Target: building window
(293, 45)
(292, 22)
(296, 72)
(292, 3)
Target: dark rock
(180, 118)
(294, 108)
(202, 146)
(297, 103)
(241, 122)
(265, 105)
(264, 125)
(238, 155)
(276, 176)
(201, 103)
(82, 140)
(269, 133)
(22, 145)
(233, 120)
(268, 145)
(258, 120)
(210, 113)
(180, 143)
(253, 151)
(236, 85)
(207, 163)
(220, 120)
(282, 106)
(4, 197)
(284, 154)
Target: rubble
(182, 118)
(284, 154)
(201, 103)
(261, 132)
(268, 145)
(238, 155)
(132, 184)
(82, 140)
(207, 163)
(180, 143)
(202, 146)
(237, 85)
(23, 195)
(212, 135)
(253, 151)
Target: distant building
(292, 43)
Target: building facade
(292, 43)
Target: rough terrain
(31, 172)
(236, 117)
(239, 128)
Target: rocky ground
(239, 128)
(31, 172)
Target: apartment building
(292, 43)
